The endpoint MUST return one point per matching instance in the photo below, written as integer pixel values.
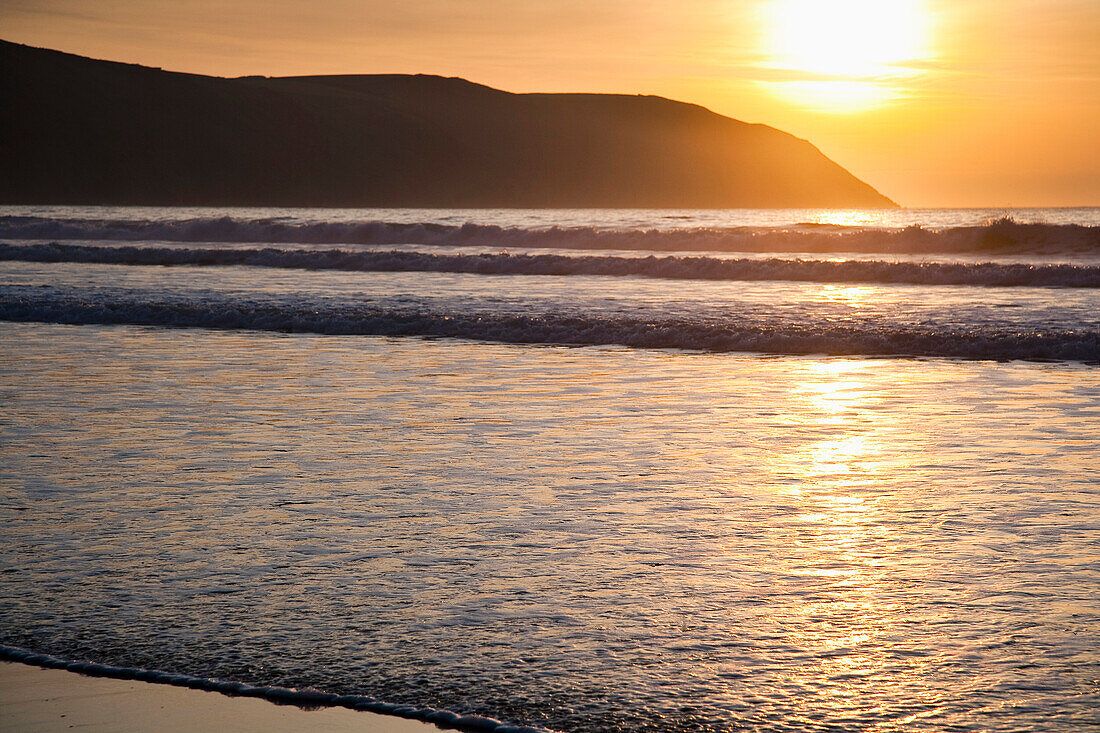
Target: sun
(847, 37)
(850, 47)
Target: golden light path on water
(838, 479)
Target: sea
(584, 471)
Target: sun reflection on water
(858, 296)
(842, 553)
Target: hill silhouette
(78, 130)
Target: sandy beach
(47, 700)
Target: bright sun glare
(855, 44)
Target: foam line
(281, 695)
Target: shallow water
(587, 539)
(454, 478)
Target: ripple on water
(588, 539)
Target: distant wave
(1003, 236)
(871, 337)
(281, 695)
(671, 267)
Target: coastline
(46, 700)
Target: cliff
(78, 130)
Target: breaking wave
(1002, 236)
(671, 267)
(869, 337)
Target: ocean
(576, 471)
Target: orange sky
(933, 102)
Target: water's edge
(305, 698)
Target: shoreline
(44, 700)
(384, 717)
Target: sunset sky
(934, 102)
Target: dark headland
(75, 130)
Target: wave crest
(669, 267)
(1001, 236)
(869, 337)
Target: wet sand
(48, 700)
